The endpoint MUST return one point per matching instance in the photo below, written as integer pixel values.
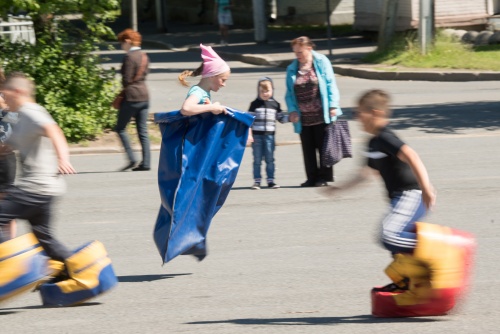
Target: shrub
(71, 84)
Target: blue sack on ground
(199, 159)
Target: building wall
(459, 13)
(314, 11)
(201, 11)
(367, 14)
(191, 11)
(448, 13)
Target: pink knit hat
(212, 64)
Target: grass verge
(447, 52)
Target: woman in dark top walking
(136, 102)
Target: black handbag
(336, 144)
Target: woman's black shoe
(308, 184)
(140, 168)
(130, 165)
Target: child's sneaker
(256, 186)
(273, 185)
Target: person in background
(312, 98)
(262, 133)
(136, 101)
(222, 9)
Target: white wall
(314, 11)
(449, 13)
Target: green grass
(446, 53)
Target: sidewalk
(346, 52)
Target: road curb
(358, 71)
(373, 74)
(247, 58)
(105, 150)
(116, 149)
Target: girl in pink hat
(214, 73)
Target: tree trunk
(387, 23)
(43, 26)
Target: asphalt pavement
(285, 260)
(281, 260)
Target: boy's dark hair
(376, 99)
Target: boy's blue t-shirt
(200, 93)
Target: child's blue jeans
(263, 148)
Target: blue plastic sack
(199, 160)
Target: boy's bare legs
(13, 228)
(224, 34)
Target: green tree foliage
(44, 13)
(71, 84)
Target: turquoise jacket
(327, 88)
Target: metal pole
(159, 16)
(328, 29)
(133, 14)
(259, 21)
(426, 25)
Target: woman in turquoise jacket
(312, 98)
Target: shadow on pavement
(102, 172)
(358, 319)
(147, 278)
(247, 70)
(448, 118)
(7, 312)
(264, 187)
(36, 307)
